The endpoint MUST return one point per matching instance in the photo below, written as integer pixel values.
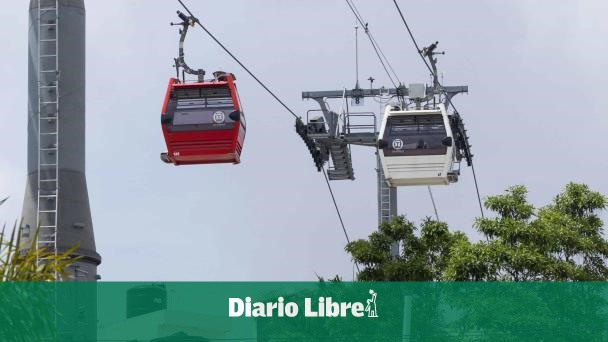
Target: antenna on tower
(356, 56)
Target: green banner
(319, 311)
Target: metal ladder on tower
(387, 197)
(387, 203)
(48, 127)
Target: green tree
(423, 256)
(562, 241)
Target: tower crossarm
(400, 91)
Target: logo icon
(219, 117)
(371, 303)
(398, 144)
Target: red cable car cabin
(202, 122)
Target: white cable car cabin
(416, 147)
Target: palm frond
(31, 264)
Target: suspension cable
(447, 97)
(433, 201)
(239, 62)
(386, 65)
(333, 198)
(412, 37)
(285, 106)
(477, 189)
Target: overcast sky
(536, 114)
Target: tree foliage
(562, 241)
(423, 256)
(26, 298)
(16, 265)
